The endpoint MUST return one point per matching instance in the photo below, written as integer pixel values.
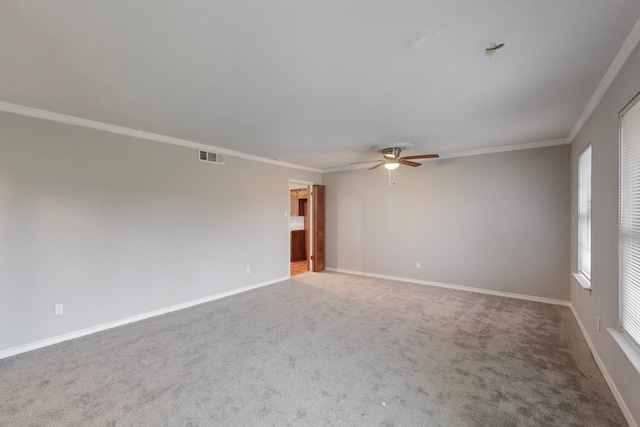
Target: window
(584, 216)
(629, 221)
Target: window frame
(628, 341)
(582, 275)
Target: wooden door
(318, 227)
(307, 235)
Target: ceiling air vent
(206, 156)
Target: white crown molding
(492, 150)
(454, 287)
(618, 62)
(620, 59)
(514, 147)
(120, 130)
(13, 351)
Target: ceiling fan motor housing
(392, 157)
(391, 153)
(393, 150)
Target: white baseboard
(614, 390)
(612, 386)
(456, 287)
(13, 351)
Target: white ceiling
(315, 83)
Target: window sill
(628, 348)
(583, 281)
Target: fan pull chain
(392, 180)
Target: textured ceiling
(316, 83)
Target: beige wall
(114, 226)
(494, 221)
(601, 130)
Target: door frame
(309, 185)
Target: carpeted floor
(321, 349)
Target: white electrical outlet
(59, 309)
(598, 323)
(248, 270)
(418, 264)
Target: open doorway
(306, 227)
(300, 227)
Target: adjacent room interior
(319, 214)
(300, 226)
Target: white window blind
(584, 213)
(629, 222)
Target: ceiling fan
(392, 159)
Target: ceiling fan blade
(366, 161)
(376, 166)
(422, 156)
(408, 163)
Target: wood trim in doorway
(318, 199)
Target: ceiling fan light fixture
(392, 157)
(392, 165)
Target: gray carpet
(323, 349)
